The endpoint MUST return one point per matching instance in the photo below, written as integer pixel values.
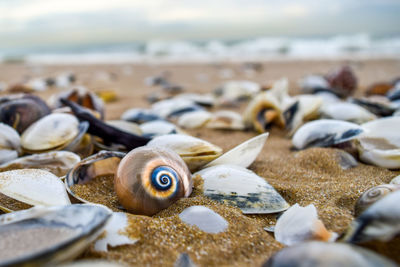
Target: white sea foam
(263, 48)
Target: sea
(356, 46)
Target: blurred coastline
(356, 46)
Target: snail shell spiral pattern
(150, 179)
(372, 195)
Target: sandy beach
(311, 176)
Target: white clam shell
(195, 119)
(114, 233)
(299, 224)
(381, 221)
(345, 111)
(9, 138)
(126, 126)
(244, 154)
(194, 151)
(311, 82)
(7, 155)
(166, 107)
(54, 161)
(34, 187)
(158, 127)
(49, 132)
(226, 119)
(395, 180)
(204, 218)
(242, 188)
(235, 90)
(380, 142)
(50, 234)
(325, 133)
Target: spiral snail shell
(150, 179)
(372, 195)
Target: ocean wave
(258, 49)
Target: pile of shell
(152, 160)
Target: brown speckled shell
(134, 169)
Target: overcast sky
(38, 22)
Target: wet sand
(312, 176)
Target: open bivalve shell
(54, 131)
(10, 143)
(241, 188)
(56, 162)
(380, 143)
(50, 235)
(325, 133)
(33, 187)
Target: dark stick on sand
(106, 132)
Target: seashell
(50, 235)
(378, 88)
(243, 154)
(56, 162)
(262, 112)
(194, 151)
(157, 128)
(395, 180)
(150, 179)
(342, 81)
(380, 221)
(327, 254)
(347, 112)
(325, 133)
(380, 143)
(304, 108)
(377, 105)
(312, 83)
(346, 160)
(372, 195)
(184, 261)
(194, 120)
(233, 91)
(126, 126)
(327, 97)
(241, 188)
(102, 163)
(53, 131)
(226, 120)
(10, 143)
(394, 93)
(300, 224)
(174, 107)
(140, 116)
(20, 111)
(114, 233)
(81, 96)
(204, 218)
(33, 187)
(205, 100)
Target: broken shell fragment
(150, 179)
(114, 233)
(372, 195)
(204, 218)
(241, 188)
(327, 254)
(50, 235)
(243, 154)
(33, 187)
(380, 143)
(347, 112)
(325, 133)
(380, 221)
(299, 224)
(194, 151)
